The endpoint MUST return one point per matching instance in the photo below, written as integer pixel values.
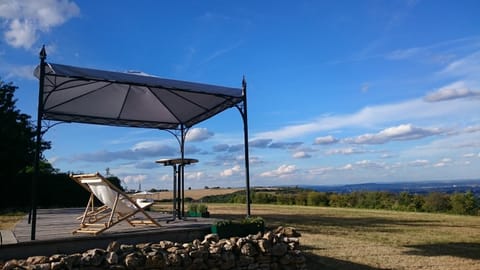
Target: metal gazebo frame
(57, 82)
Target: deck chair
(117, 206)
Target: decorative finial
(244, 82)
(43, 53)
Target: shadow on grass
(321, 262)
(462, 250)
(376, 224)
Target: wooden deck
(55, 226)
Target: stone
(93, 257)
(113, 247)
(37, 260)
(127, 248)
(134, 261)
(41, 266)
(228, 261)
(264, 245)
(196, 243)
(245, 260)
(174, 259)
(111, 257)
(215, 249)
(10, 265)
(155, 261)
(212, 237)
(286, 259)
(57, 265)
(71, 260)
(268, 236)
(279, 249)
(248, 249)
(166, 244)
(288, 231)
(271, 250)
(56, 257)
(172, 249)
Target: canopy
(76, 94)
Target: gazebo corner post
(183, 134)
(244, 113)
(38, 143)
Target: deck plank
(60, 223)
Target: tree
(17, 136)
(464, 203)
(436, 202)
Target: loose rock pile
(276, 249)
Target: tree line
(435, 202)
(17, 154)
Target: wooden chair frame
(123, 207)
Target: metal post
(174, 166)
(43, 56)
(182, 165)
(245, 141)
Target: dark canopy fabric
(76, 94)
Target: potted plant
(229, 228)
(198, 210)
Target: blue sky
(339, 91)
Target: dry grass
(195, 194)
(9, 220)
(337, 238)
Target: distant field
(195, 194)
(339, 238)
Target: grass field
(339, 238)
(8, 221)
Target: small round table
(178, 165)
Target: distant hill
(421, 187)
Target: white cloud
(455, 90)
(198, 135)
(467, 67)
(194, 175)
(369, 164)
(25, 18)
(469, 155)
(347, 167)
(232, 171)
(24, 72)
(301, 154)
(472, 129)
(320, 171)
(260, 143)
(419, 163)
(410, 110)
(325, 140)
(443, 163)
(398, 133)
(134, 178)
(344, 151)
(282, 171)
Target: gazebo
(92, 96)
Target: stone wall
(277, 249)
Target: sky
(339, 92)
